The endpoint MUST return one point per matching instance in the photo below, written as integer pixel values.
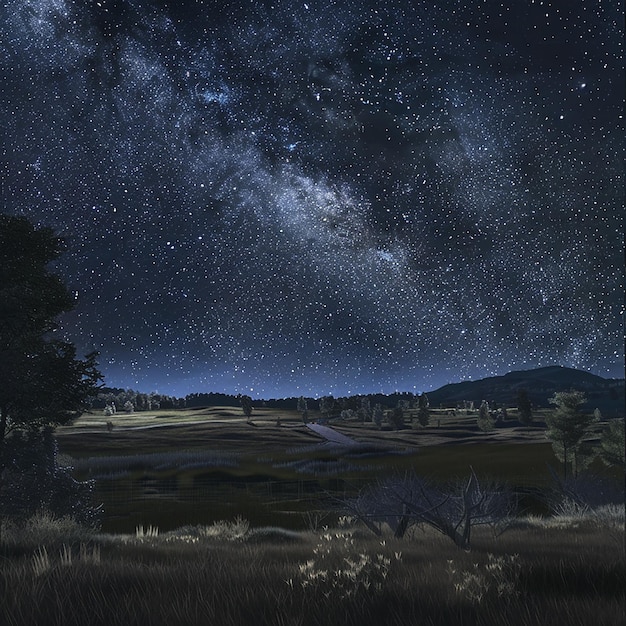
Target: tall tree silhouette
(43, 383)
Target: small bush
(273, 534)
(236, 530)
(485, 420)
(499, 577)
(337, 568)
(43, 529)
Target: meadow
(171, 468)
(211, 520)
(565, 571)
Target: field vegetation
(175, 467)
(289, 552)
(566, 570)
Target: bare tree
(408, 500)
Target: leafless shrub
(578, 495)
(404, 501)
(315, 519)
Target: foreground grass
(562, 571)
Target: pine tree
(378, 415)
(567, 429)
(612, 448)
(365, 410)
(396, 417)
(524, 407)
(327, 407)
(303, 409)
(246, 405)
(423, 412)
(484, 420)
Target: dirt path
(331, 435)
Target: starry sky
(282, 197)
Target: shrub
(584, 492)
(337, 568)
(44, 529)
(484, 420)
(34, 481)
(499, 578)
(236, 530)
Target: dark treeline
(313, 404)
(211, 399)
(130, 400)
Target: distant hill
(541, 384)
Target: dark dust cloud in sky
(285, 198)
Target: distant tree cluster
(129, 401)
(211, 399)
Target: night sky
(285, 198)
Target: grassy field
(226, 427)
(560, 571)
(164, 556)
(199, 465)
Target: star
(287, 198)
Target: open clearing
(175, 467)
(277, 556)
(227, 427)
